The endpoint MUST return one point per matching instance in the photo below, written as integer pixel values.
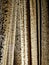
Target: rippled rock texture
(24, 32)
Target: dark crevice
(40, 32)
(37, 31)
(29, 30)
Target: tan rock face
(45, 33)
(33, 32)
(4, 30)
(20, 40)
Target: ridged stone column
(33, 32)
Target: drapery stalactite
(24, 32)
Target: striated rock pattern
(24, 32)
(45, 33)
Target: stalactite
(12, 33)
(22, 32)
(17, 54)
(26, 33)
(33, 32)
